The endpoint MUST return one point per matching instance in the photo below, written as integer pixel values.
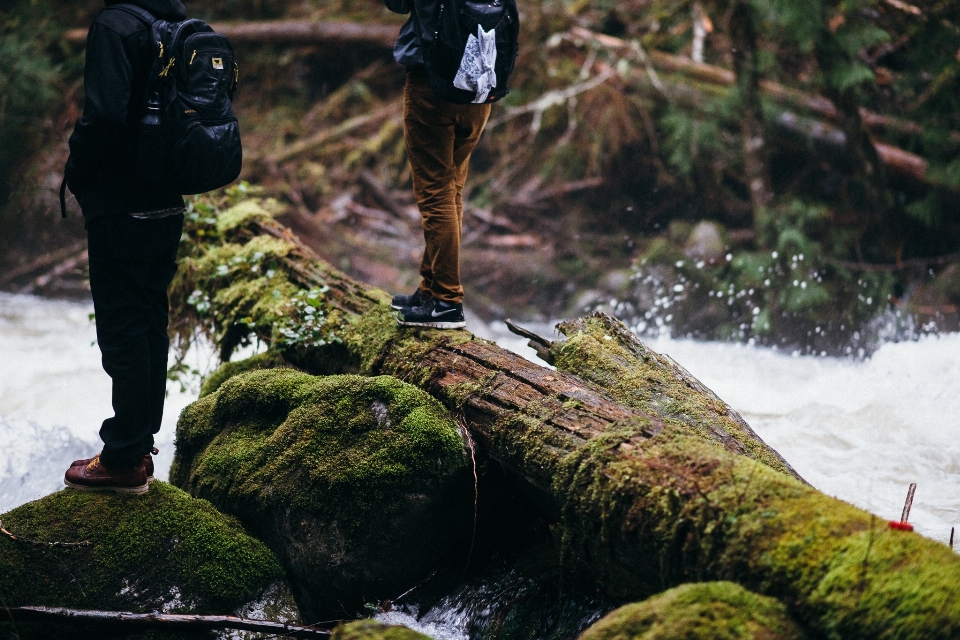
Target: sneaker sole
(434, 325)
(128, 490)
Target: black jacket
(101, 169)
(417, 32)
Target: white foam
(54, 396)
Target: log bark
(648, 496)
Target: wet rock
(373, 630)
(161, 551)
(360, 485)
(701, 611)
(706, 242)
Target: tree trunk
(658, 488)
(868, 167)
(755, 165)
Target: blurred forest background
(772, 171)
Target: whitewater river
(858, 430)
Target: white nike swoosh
(437, 315)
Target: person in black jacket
(133, 231)
(440, 136)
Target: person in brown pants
(440, 137)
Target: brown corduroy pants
(440, 136)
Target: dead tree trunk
(646, 498)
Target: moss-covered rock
(266, 360)
(360, 485)
(163, 550)
(373, 630)
(700, 611)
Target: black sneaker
(435, 314)
(416, 299)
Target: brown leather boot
(96, 477)
(147, 462)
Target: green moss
(707, 514)
(266, 360)
(162, 549)
(602, 351)
(242, 214)
(360, 485)
(370, 332)
(372, 630)
(342, 442)
(703, 611)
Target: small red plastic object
(901, 526)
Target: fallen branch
(41, 263)
(897, 159)
(293, 32)
(64, 267)
(549, 99)
(322, 137)
(168, 621)
(38, 543)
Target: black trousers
(132, 262)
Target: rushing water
(861, 430)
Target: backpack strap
(135, 10)
(63, 198)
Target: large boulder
(161, 551)
(700, 611)
(360, 485)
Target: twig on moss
(162, 621)
(908, 503)
(13, 622)
(476, 490)
(38, 543)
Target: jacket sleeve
(399, 6)
(107, 79)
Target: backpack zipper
(436, 32)
(166, 69)
(192, 57)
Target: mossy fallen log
(162, 551)
(699, 611)
(647, 498)
(361, 486)
(603, 351)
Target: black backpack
(189, 138)
(456, 22)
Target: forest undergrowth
(755, 170)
